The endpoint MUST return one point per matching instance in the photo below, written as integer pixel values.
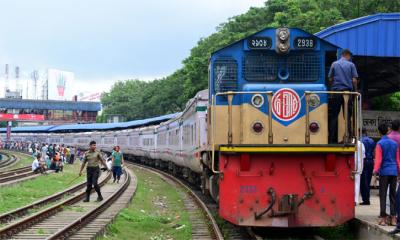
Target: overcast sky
(102, 41)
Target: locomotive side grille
(265, 67)
(225, 75)
(304, 67)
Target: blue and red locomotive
(268, 130)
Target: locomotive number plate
(304, 43)
(259, 43)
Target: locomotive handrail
(230, 136)
(357, 123)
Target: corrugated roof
(49, 104)
(109, 126)
(375, 35)
(94, 126)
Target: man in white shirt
(358, 159)
(36, 166)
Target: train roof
(269, 28)
(93, 126)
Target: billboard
(372, 119)
(21, 117)
(59, 84)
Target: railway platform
(366, 219)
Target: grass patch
(155, 213)
(74, 208)
(24, 160)
(26, 192)
(344, 231)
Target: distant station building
(47, 112)
(375, 43)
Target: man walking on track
(92, 158)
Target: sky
(102, 41)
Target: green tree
(137, 99)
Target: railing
(230, 130)
(356, 120)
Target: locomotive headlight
(257, 100)
(283, 47)
(283, 34)
(313, 100)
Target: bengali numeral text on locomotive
(248, 189)
(259, 43)
(304, 43)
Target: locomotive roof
(268, 28)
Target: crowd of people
(381, 160)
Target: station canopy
(375, 43)
(12, 103)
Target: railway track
(65, 218)
(15, 174)
(206, 228)
(10, 160)
(23, 211)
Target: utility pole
(35, 77)
(18, 87)
(6, 87)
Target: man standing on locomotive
(92, 158)
(342, 77)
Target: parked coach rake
(257, 139)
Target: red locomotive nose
(314, 127)
(258, 127)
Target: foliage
(138, 99)
(390, 102)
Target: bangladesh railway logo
(286, 104)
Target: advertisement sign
(59, 84)
(372, 119)
(21, 117)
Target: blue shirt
(369, 145)
(342, 72)
(389, 162)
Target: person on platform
(117, 163)
(342, 77)
(387, 165)
(395, 134)
(72, 156)
(366, 175)
(359, 156)
(37, 167)
(92, 158)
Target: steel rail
(11, 159)
(214, 225)
(92, 214)
(8, 216)
(12, 177)
(14, 171)
(14, 228)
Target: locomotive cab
(268, 132)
